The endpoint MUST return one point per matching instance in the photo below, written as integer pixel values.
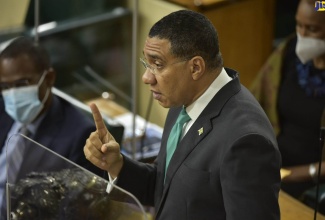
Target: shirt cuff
(112, 181)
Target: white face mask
(22, 103)
(308, 48)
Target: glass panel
(64, 191)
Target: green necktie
(175, 135)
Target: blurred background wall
(96, 37)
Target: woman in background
(291, 89)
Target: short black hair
(190, 34)
(27, 46)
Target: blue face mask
(23, 104)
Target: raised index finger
(100, 126)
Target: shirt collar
(195, 109)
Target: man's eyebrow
(153, 56)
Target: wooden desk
(108, 107)
(292, 209)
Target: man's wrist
(116, 167)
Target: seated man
(26, 100)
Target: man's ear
(50, 77)
(198, 67)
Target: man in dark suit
(26, 100)
(227, 163)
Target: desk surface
(108, 107)
(292, 209)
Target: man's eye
(158, 65)
(4, 87)
(312, 29)
(21, 84)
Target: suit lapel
(198, 131)
(48, 129)
(45, 135)
(187, 144)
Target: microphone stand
(143, 137)
(321, 142)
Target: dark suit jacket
(231, 171)
(64, 130)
